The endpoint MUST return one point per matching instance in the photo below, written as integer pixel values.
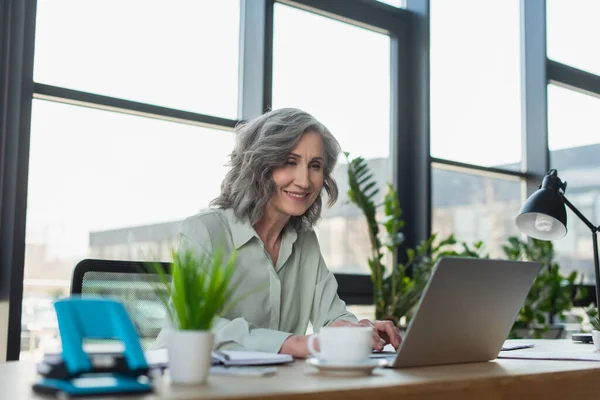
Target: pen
(518, 347)
(223, 355)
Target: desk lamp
(544, 217)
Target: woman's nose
(302, 177)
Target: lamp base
(582, 337)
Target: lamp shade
(544, 216)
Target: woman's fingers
(384, 330)
(343, 323)
(389, 332)
(378, 341)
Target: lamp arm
(594, 230)
(580, 215)
(596, 268)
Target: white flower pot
(596, 338)
(190, 355)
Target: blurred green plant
(595, 322)
(551, 294)
(592, 314)
(200, 290)
(395, 291)
(57, 293)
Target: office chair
(133, 283)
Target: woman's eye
(316, 166)
(290, 162)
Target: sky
(95, 170)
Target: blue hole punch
(75, 373)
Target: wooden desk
(498, 379)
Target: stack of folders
(109, 359)
(53, 366)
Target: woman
(269, 202)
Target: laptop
(465, 312)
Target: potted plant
(199, 291)
(396, 291)
(595, 322)
(551, 294)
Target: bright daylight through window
(358, 114)
(177, 54)
(115, 186)
(475, 82)
(475, 119)
(109, 179)
(574, 142)
(572, 27)
(107, 185)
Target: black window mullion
(256, 58)
(573, 79)
(102, 102)
(355, 289)
(369, 14)
(17, 34)
(411, 94)
(534, 98)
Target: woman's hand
(384, 332)
(297, 346)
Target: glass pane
(343, 79)
(573, 33)
(180, 54)
(475, 207)
(475, 82)
(107, 185)
(395, 3)
(574, 142)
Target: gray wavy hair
(263, 144)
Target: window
(474, 208)
(340, 73)
(182, 54)
(573, 120)
(573, 33)
(111, 186)
(475, 82)
(395, 3)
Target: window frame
(409, 32)
(578, 80)
(17, 89)
(410, 142)
(17, 35)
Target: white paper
(160, 358)
(550, 355)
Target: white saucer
(363, 368)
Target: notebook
(159, 358)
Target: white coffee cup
(343, 345)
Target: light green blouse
(284, 297)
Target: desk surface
(498, 379)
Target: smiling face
(299, 181)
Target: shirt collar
(289, 234)
(242, 231)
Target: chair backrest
(130, 281)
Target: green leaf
(199, 290)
